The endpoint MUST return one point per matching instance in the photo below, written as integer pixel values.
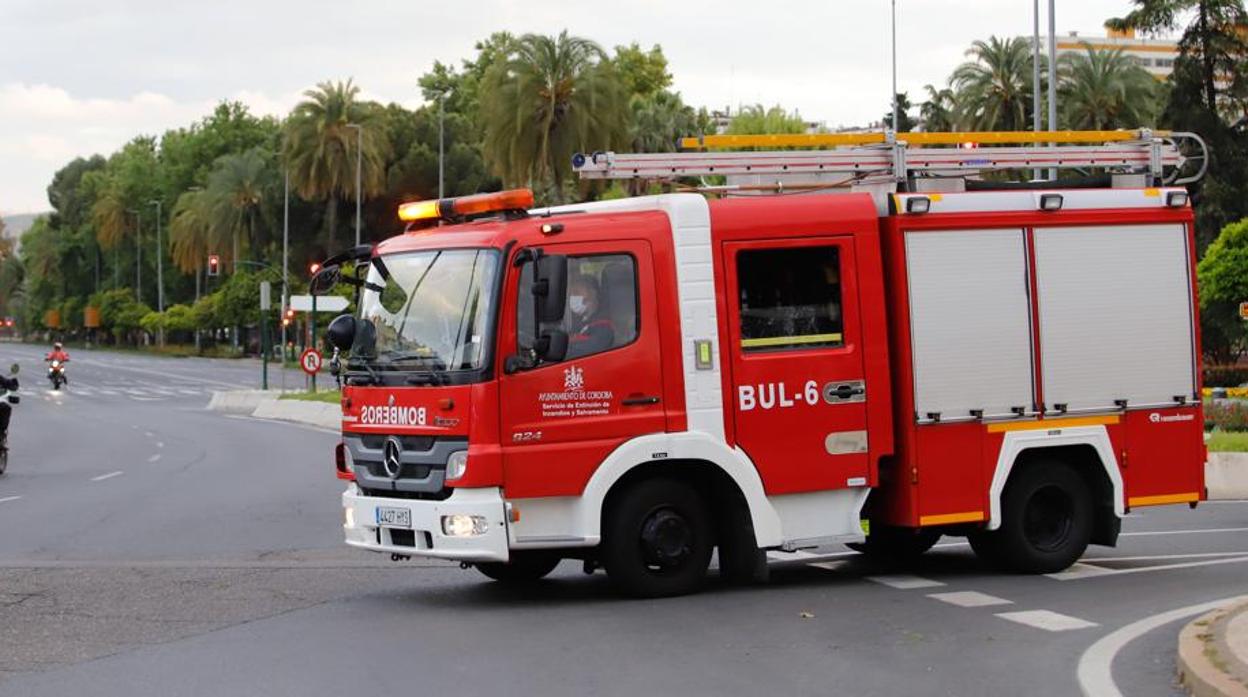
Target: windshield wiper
(373, 377)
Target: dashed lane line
(154, 458)
(6, 499)
(905, 582)
(1095, 671)
(1163, 557)
(1145, 533)
(1079, 570)
(1046, 619)
(110, 475)
(970, 599)
(1146, 569)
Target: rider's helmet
(56, 345)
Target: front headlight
(348, 516)
(460, 525)
(457, 464)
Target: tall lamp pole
(1052, 77)
(894, 5)
(359, 175)
(1035, 74)
(138, 255)
(285, 267)
(160, 265)
(441, 140)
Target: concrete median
(1213, 653)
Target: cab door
(799, 401)
(559, 420)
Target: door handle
(639, 400)
(852, 391)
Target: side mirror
(13, 369)
(341, 332)
(325, 280)
(552, 345)
(550, 287)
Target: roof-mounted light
(467, 206)
(1050, 202)
(1176, 199)
(918, 205)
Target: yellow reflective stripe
(950, 518)
(790, 340)
(1163, 499)
(1052, 423)
(808, 140)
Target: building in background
(1157, 56)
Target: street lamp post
(359, 175)
(1035, 74)
(160, 265)
(138, 255)
(441, 140)
(285, 267)
(894, 4)
(1052, 78)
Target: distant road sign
(310, 361)
(324, 303)
(266, 295)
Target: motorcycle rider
(58, 354)
(6, 411)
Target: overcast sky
(79, 77)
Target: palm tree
(320, 147)
(549, 98)
(937, 113)
(190, 232)
(237, 187)
(1105, 90)
(659, 120)
(993, 90)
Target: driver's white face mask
(577, 304)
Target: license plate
(388, 517)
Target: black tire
(1046, 520)
(657, 539)
(984, 544)
(524, 568)
(4, 459)
(890, 544)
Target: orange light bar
(511, 200)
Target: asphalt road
(150, 547)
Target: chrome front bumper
(425, 538)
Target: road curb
(300, 411)
(1226, 475)
(1209, 665)
(239, 401)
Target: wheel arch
(1087, 449)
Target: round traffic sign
(310, 361)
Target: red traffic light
(314, 267)
(214, 265)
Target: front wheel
(524, 567)
(1046, 521)
(657, 539)
(4, 458)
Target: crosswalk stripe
(1046, 620)
(904, 582)
(969, 599)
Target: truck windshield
(431, 309)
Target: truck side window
(602, 308)
(790, 298)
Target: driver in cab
(589, 332)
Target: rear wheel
(4, 457)
(897, 544)
(524, 567)
(1046, 521)
(657, 539)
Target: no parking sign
(310, 361)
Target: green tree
(1104, 90)
(237, 188)
(905, 123)
(659, 120)
(993, 89)
(1223, 277)
(937, 113)
(320, 148)
(191, 232)
(643, 73)
(755, 119)
(549, 98)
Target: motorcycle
(11, 397)
(56, 373)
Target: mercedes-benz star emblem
(390, 457)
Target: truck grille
(421, 472)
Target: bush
(1226, 415)
(1225, 375)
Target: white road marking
(1224, 502)
(149, 434)
(1095, 671)
(1079, 570)
(6, 499)
(904, 582)
(110, 475)
(1180, 532)
(1158, 567)
(1046, 620)
(970, 599)
(154, 458)
(792, 556)
(162, 374)
(195, 392)
(1163, 557)
(160, 444)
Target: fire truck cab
(638, 383)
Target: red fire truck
(909, 351)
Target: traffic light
(214, 265)
(313, 268)
(288, 317)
